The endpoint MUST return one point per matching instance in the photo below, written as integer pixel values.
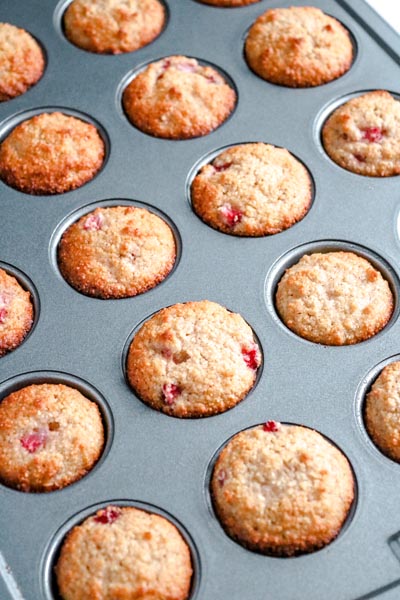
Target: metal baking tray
(164, 463)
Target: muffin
(382, 411)
(298, 47)
(193, 360)
(282, 489)
(177, 98)
(113, 26)
(335, 298)
(124, 552)
(116, 252)
(50, 436)
(363, 135)
(16, 313)
(51, 153)
(252, 190)
(21, 61)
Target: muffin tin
(162, 463)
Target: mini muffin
(363, 135)
(382, 411)
(193, 360)
(16, 313)
(282, 489)
(336, 298)
(117, 252)
(177, 98)
(252, 190)
(21, 61)
(124, 552)
(113, 26)
(50, 436)
(51, 153)
(228, 3)
(298, 46)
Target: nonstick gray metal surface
(163, 463)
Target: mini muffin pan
(162, 463)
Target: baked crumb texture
(16, 313)
(363, 135)
(228, 3)
(178, 98)
(382, 411)
(116, 252)
(113, 26)
(124, 553)
(298, 46)
(193, 360)
(335, 298)
(21, 61)
(282, 489)
(50, 436)
(252, 190)
(51, 153)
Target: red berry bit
(231, 216)
(222, 167)
(170, 393)
(108, 515)
(213, 79)
(251, 356)
(186, 67)
(3, 315)
(221, 477)
(271, 426)
(360, 158)
(93, 222)
(34, 441)
(372, 134)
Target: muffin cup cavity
(9, 124)
(51, 554)
(269, 425)
(327, 111)
(133, 73)
(27, 284)
(208, 158)
(291, 257)
(73, 217)
(363, 389)
(86, 389)
(124, 367)
(59, 25)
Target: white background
(389, 10)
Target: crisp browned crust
(228, 3)
(177, 98)
(51, 153)
(113, 26)
(363, 135)
(382, 411)
(124, 553)
(193, 360)
(252, 190)
(117, 252)
(21, 61)
(50, 436)
(282, 492)
(335, 298)
(298, 46)
(16, 313)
